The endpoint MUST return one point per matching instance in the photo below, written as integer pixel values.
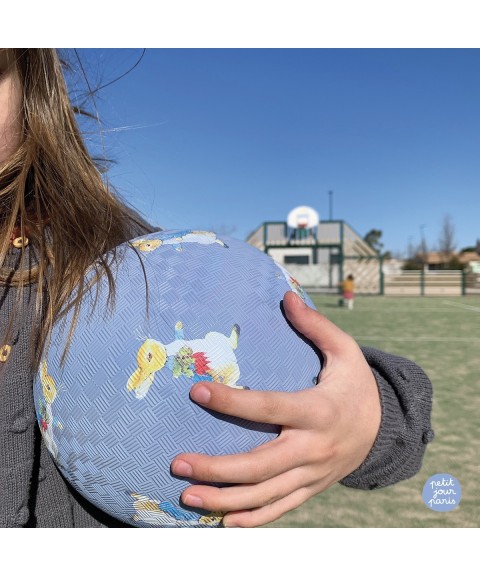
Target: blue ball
(190, 306)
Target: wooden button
(20, 242)
(5, 353)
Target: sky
(225, 139)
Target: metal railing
(426, 283)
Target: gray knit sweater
(34, 494)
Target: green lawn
(442, 335)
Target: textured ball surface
(117, 411)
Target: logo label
(442, 492)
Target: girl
(348, 290)
(57, 218)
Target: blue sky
(224, 139)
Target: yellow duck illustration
(46, 419)
(151, 357)
(212, 519)
(49, 388)
(177, 239)
(146, 245)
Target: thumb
(314, 326)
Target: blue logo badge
(442, 492)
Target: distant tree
(422, 250)
(411, 251)
(446, 238)
(416, 255)
(454, 264)
(372, 238)
(468, 249)
(412, 264)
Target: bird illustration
(209, 359)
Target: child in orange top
(348, 289)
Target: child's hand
(327, 432)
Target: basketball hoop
(303, 217)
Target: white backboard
(303, 217)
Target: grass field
(443, 336)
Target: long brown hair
(52, 192)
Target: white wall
(308, 275)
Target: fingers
(244, 496)
(268, 460)
(323, 333)
(257, 504)
(291, 450)
(269, 513)
(276, 408)
(253, 505)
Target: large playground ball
(117, 410)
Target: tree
(412, 264)
(422, 250)
(446, 238)
(454, 264)
(416, 254)
(372, 238)
(411, 250)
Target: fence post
(464, 282)
(341, 259)
(422, 282)
(382, 282)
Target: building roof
(330, 233)
(441, 258)
(469, 256)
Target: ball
(115, 410)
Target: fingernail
(192, 501)
(297, 298)
(300, 301)
(228, 524)
(200, 394)
(182, 468)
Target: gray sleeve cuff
(406, 401)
